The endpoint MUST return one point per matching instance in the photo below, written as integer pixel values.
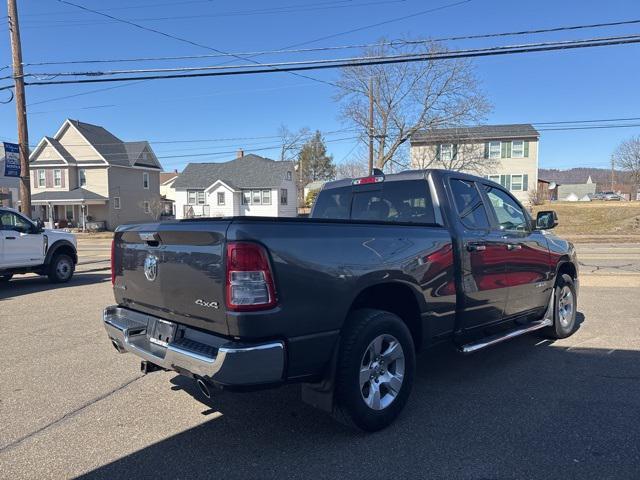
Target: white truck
(27, 248)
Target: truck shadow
(24, 285)
(526, 408)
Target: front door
(22, 245)
(529, 270)
(483, 260)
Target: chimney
(240, 153)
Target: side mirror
(546, 220)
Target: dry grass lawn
(595, 218)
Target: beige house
(86, 176)
(168, 192)
(506, 154)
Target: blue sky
(582, 84)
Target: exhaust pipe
(204, 388)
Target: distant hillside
(600, 176)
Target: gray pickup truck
(342, 301)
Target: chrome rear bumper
(202, 355)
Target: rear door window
(406, 201)
(469, 204)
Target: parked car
(612, 197)
(25, 247)
(342, 301)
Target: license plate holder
(162, 332)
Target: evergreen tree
(313, 161)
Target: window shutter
(486, 150)
(503, 149)
(62, 175)
(508, 182)
(525, 182)
(508, 149)
(526, 149)
(48, 178)
(35, 179)
(438, 152)
(503, 180)
(455, 151)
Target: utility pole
(370, 125)
(21, 108)
(612, 172)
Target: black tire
(564, 309)
(61, 268)
(6, 278)
(362, 328)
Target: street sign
(11, 160)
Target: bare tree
(458, 156)
(409, 97)
(352, 169)
(627, 158)
(154, 209)
(291, 142)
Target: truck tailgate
(173, 270)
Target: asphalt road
(70, 406)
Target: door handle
(514, 246)
(10, 238)
(476, 247)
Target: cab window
(469, 204)
(509, 214)
(13, 222)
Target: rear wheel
(564, 312)
(61, 268)
(375, 369)
(6, 278)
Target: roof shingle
(483, 132)
(249, 171)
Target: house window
(284, 196)
(446, 152)
(495, 149)
(266, 197)
(57, 178)
(220, 198)
(246, 197)
(517, 149)
(146, 207)
(288, 175)
(82, 177)
(195, 197)
(516, 183)
(116, 203)
(69, 212)
(256, 197)
(145, 180)
(41, 178)
(494, 178)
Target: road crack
(67, 416)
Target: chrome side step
(501, 337)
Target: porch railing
(192, 211)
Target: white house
(249, 185)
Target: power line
(174, 37)
(349, 60)
(242, 13)
(392, 43)
(315, 65)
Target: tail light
(249, 279)
(113, 270)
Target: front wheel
(564, 312)
(375, 369)
(61, 268)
